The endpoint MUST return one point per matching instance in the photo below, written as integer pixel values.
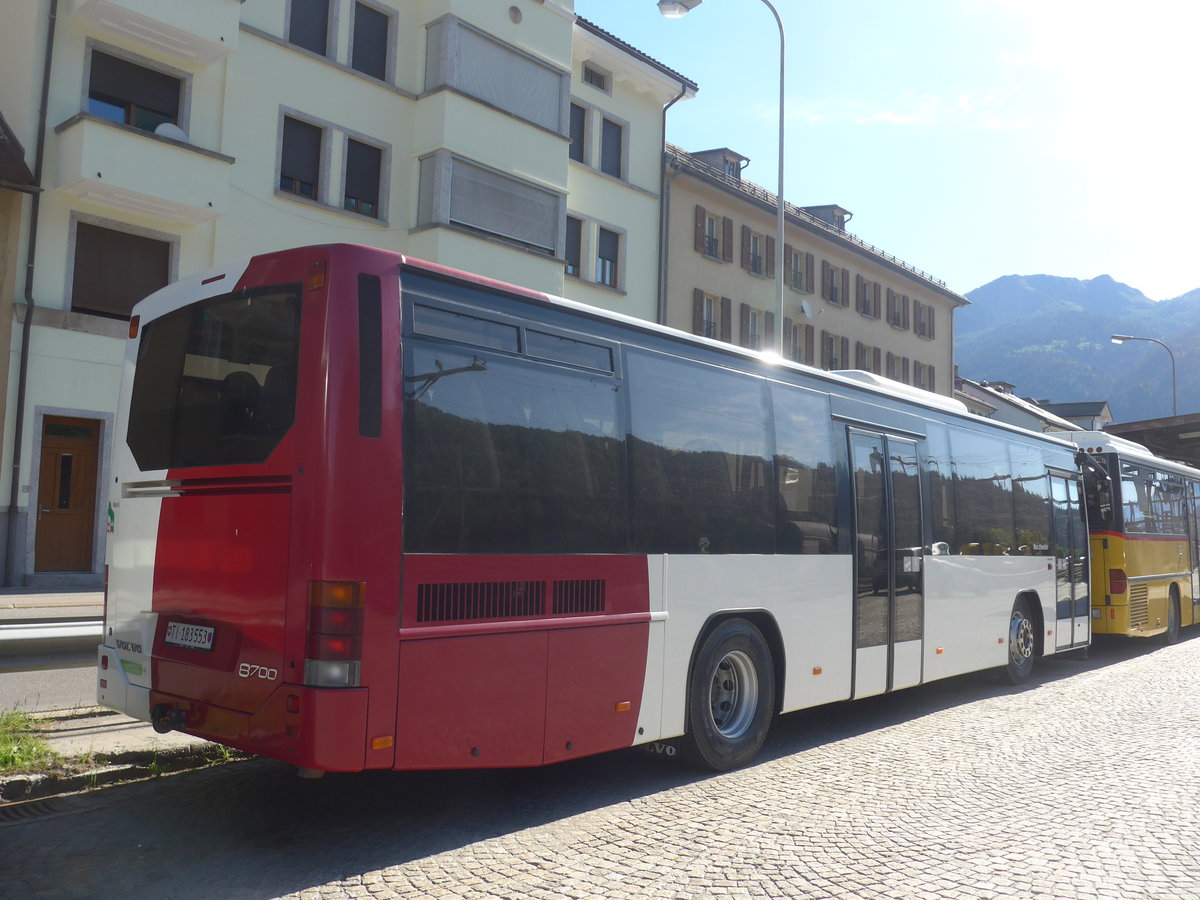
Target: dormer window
(597, 78)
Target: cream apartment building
(847, 305)
(506, 138)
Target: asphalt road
(65, 688)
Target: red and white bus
(373, 513)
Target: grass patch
(22, 748)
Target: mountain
(1051, 337)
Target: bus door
(1070, 562)
(889, 557)
(1193, 549)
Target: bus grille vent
(1139, 605)
(583, 596)
(469, 601)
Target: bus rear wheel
(731, 697)
(1171, 636)
(1022, 645)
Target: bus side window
(806, 471)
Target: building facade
(847, 305)
(509, 139)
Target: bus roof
(1103, 442)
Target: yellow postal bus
(1142, 521)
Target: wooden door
(66, 509)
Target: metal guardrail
(28, 645)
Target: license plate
(195, 637)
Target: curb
(119, 768)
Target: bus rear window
(215, 382)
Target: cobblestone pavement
(1082, 785)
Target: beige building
(847, 305)
(506, 138)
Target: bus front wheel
(731, 697)
(1022, 645)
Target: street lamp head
(674, 9)
(1120, 338)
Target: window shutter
(611, 140)
(363, 163)
(929, 317)
(727, 320)
(808, 270)
(744, 325)
(770, 257)
(727, 239)
(826, 278)
(114, 269)
(826, 349)
(300, 158)
(875, 300)
(789, 345)
(932, 384)
(905, 379)
(904, 316)
(578, 124)
(769, 337)
(746, 247)
(860, 293)
(788, 253)
(369, 48)
(860, 355)
(876, 359)
(697, 310)
(309, 26)
(701, 216)
(845, 287)
(845, 355)
(810, 337)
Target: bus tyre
(731, 697)
(1171, 636)
(1021, 643)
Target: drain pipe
(27, 325)
(664, 204)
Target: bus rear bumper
(113, 687)
(284, 728)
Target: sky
(972, 139)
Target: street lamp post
(1122, 338)
(674, 9)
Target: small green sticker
(133, 668)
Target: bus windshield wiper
(430, 378)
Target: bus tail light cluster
(333, 656)
(1118, 583)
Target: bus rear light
(316, 275)
(333, 656)
(104, 661)
(1118, 583)
(334, 646)
(293, 703)
(331, 672)
(133, 326)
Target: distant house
(1091, 415)
(998, 400)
